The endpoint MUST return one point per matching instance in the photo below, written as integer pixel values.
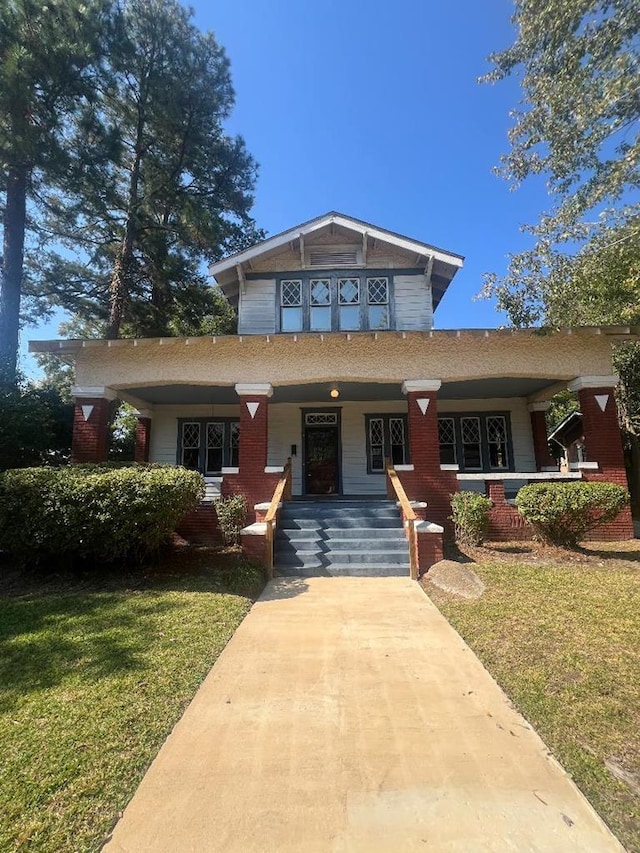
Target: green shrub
(92, 512)
(561, 513)
(232, 514)
(470, 514)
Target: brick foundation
(254, 549)
(200, 526)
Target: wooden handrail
(409, 516)
(282, 489)
(398, 488)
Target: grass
(93, 676)
(560, 632)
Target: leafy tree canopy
(577, 124)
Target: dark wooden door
(322, 468)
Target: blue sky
(373, 109)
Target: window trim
(334, 276)
(386, 417)
(202, 450)
(456, 417)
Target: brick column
(143, 437)
(90, 424)
(251, 479)
(539, 430)
(603, 444)
(426, 482)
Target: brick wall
(427, 482)
(200, 526)
(603, 444)
(143, 439)
(540, 444)
(90, 436)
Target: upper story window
(335, 302)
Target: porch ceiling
(318, 392)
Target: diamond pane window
(376, 444)
(349, 291)
(320, 305)
(447, 438)
(320, 289)
(234, 444)
(471, 443)
(377, 291)
(190, 445)
(291, 294)
(321, 419)
(497, 441)
(215, 447)
(291, 305)
(349, 303)
(397, 443)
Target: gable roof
(448, 262)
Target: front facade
(337, 366)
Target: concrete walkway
(347, 715)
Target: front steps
(341, 537)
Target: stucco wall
(382, 356)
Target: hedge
(470, 515)
(93, 512)
(562, 513)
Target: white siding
(164, 427)
(413, 303)
(257, 307)
(285, 429)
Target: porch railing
(282, 491)
(409, 516)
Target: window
(447, 436)
(333, 301)
(476, 442)
(208, 446)
(378, 303)
(386, 439)
(320, 304)
(291, 305)
(349, 303)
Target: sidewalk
(347, 715)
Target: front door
(321, 454)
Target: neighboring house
(337, 365)
(567, 443)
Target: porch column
(427, 482)
(544, 459)
(143, 435)
(254, 432)
(603, 442)
(90, 423)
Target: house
(337, 366)
(566, 442)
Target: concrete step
(337, 522)
(316, 558)
(345, 570)
(314, 543)
(342, 533)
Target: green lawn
(92, 679)
(563, 640)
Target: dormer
(336, 273)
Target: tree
(578, 125)
(175, 194)
(48, 56)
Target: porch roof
(318, 392)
